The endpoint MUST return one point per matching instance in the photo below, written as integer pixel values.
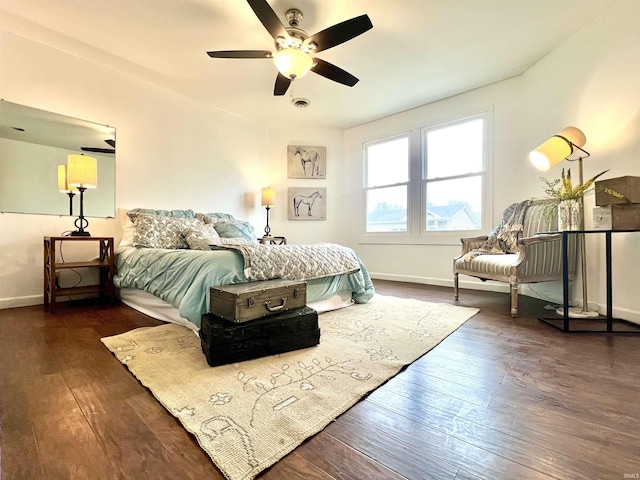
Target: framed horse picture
(307, 203)
(306, 162)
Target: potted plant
(568, 199)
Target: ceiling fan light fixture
(292, 62)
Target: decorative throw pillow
(236, 229)
(201, 236)
(211, 218)
(166, 213)
(160, 231)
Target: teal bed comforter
(183, 277)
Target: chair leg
(455, 286)
(514, 299)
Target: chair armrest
(535, 253)
(471, 243)
(540, 238)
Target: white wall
(173, 153)
(176, 153)
(590, 82)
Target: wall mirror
(33, 143)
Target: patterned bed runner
(295, 262)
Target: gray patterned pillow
(201, 236)
(159, 231)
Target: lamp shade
(268, 197)
(82, 171)
(63, 186)
(557, 148)
(292, 62)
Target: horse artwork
(306, 162)
(307, 204)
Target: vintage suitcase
(225, 342)
(248, 301)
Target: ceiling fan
(109, 141)
(295, 48)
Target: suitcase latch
(251, 301)
(296, 292)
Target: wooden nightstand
(273, 240)
(106, 264)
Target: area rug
(248, 415)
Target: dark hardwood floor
(500, 398)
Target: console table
(600, 324)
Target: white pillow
(128, 228)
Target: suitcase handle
(277, 308)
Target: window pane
(455, 149)
(454, 204)
(388, 162)
(387, 209)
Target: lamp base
(78, 233)
(577, 312)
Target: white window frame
(425, 181)
(367, 189)
(417, 233)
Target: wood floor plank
(341, 461)
(479, 461)
(499, 398)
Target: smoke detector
(300, 102)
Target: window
(429, 180)
(453, 175)
(386, 184)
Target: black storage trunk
(226, 342)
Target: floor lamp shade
(82, 171)
(557, 148)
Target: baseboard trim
(15, 302)
(471, 285)
(618, 312)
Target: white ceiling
(418, 51)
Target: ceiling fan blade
(282, 85)
(330, 71)
(340, 33)
(97, 150)
(241, 54)
(269, 19)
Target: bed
(168, 259)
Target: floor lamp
(560, 147)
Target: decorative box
(627, 186)
(617, 217)
(248, 301)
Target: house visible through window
(439, 188)
(386, 184)
(453, 175)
